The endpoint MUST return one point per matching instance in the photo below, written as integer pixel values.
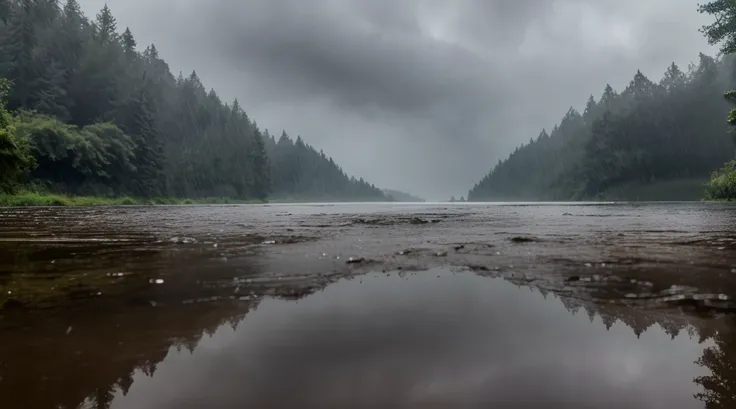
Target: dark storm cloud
(420, 95)
(358, 63)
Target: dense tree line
(298, 169)
(723, 30)
(93, 115)
(650, 132)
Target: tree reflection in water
(98, 359)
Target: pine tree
(106, 27)
(4, 10)
(129, 45)
(109, 120)
(149, 147)
(17, 50)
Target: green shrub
(15, 157)
(722, 185)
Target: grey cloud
(420, 95)
(501, 23)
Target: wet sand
(385, 305)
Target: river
(525, 305)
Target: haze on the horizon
(422, 96)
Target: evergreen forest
(652, 133)
(86, 111)
(655, 139)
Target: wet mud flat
(373, 298)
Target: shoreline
(33, 199)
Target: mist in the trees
(649, 133)
(419, 96)
(104, 118)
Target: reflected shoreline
(137, 340)
(97, 297)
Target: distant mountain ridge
(400, 196)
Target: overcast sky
(419, 95)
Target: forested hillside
(651, 134)
(91, 114)
(299, 171)
(400, 196)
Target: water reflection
(719, 386)
(60, 360)
(433, 339)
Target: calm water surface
(516, 334)
(427, 339)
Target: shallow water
(427, 339)
(569, 306)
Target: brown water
(549, 306)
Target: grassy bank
(50, 199)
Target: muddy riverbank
(181, 254)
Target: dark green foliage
(15, 158)
(649, 133)
(723, 30)
(723, 182)
(4, 10)
(722, 185)
(298, 170)
(95, 159)
(102, 118)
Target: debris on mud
(355, 260)
(115, 274)
(183, 240)
(441, 253)
(417, 220)
(522, 239)
(391, 221)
